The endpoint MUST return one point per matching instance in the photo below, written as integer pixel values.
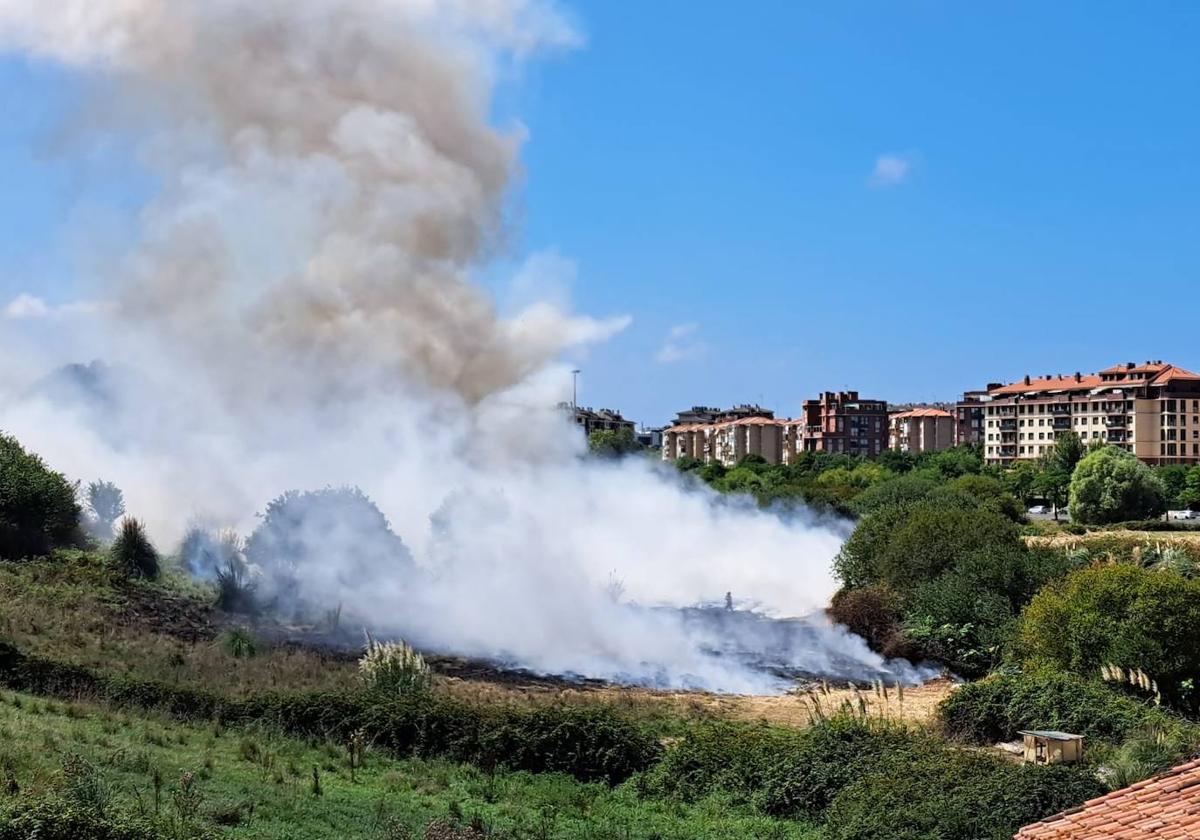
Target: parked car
(1183, 514)
(1040, 509)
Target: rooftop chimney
(1027, 379)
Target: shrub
(931, 540)
(589, 743)
(394, 668)
(239, 643)
(1122, 615)
(873, 612)
(1111, 485)
(50, 819)
(782, 772)
(901, 490)
(38, 511)
(996, 708)
(953, 795)
(314, 546)
(132, 553)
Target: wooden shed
(1048, 746)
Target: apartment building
(726, 441)
(969, 416)
(1151, 410)
(922, 429)
(845, 423)
(597, 420)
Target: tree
(38, 510)
(107, 504)
(1067, 452)
(1189, 497)
(1019, 479)
(1119, 615)
(1053, 484)
(614, 443)
(313, 546)
(1112, 485)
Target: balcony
(1060, 408)
(1010, 423)
(1116, 420)
(1062, 423)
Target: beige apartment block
(1151, 410)
(921, 430)
(726, 442)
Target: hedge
(590, 743)
(996, 708)
(54, 820)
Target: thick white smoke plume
(298, 312)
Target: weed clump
(132, 552)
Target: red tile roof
(1165, 807)
(1149, 367)
(1171, 373)
(923, 412)
(1053, 383)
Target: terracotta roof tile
(1162, 807)
(922, 412)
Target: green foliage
(866, 779)
(930, 540)
(239, 643)
(1122, 615)
(1111, 485)
(49, 819)
(613, 443)
(132, 554)
(106, 501)
(38, 511)
(589, 743)
(954, 795)
(784, 772)
(996, 708)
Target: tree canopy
(1112, 485)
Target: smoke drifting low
(298, 313)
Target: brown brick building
(843, 422)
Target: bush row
(996, 708)
(866, 779)
(54, 820)
(589, 743)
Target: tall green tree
(1112, 485)
(613, 444)
(38, 510)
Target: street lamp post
(574, 390)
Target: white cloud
(891, 170)
(681, 344)
(27, 307)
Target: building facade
(844, 423)
(921, 430)
(1151, 410)
(727, 441)
(597, 420)
(969, 416)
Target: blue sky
(905, 198)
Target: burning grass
(72, 608)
